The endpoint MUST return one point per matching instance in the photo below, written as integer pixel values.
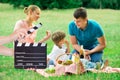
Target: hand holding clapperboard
(30, 55)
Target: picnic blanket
(108, 69)
(61, 70)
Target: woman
(33, 14)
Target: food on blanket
(75, 58)
(98, 65)
(67, 62)
(50, 70)
(59, 62)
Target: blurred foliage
(65, 4)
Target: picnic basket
(68, 62)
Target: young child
(61, 46)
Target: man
(87, 33)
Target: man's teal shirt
(88, 36)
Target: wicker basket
(61, 56)
(78, 65)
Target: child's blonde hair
(57, 37)
(31, 8)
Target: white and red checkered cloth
(61, 70)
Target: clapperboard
(30, 55)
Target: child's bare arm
(68, 46)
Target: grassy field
(58, 20)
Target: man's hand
(87, 52)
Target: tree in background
(112, 4)
(65, 4)
(48, 4)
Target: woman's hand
(48, 35)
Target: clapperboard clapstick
(34, 28)
(30, 55)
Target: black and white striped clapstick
(34, 28)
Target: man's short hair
(80, 13)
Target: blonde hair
(58, 36)
(31, 8)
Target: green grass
(58, 20)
